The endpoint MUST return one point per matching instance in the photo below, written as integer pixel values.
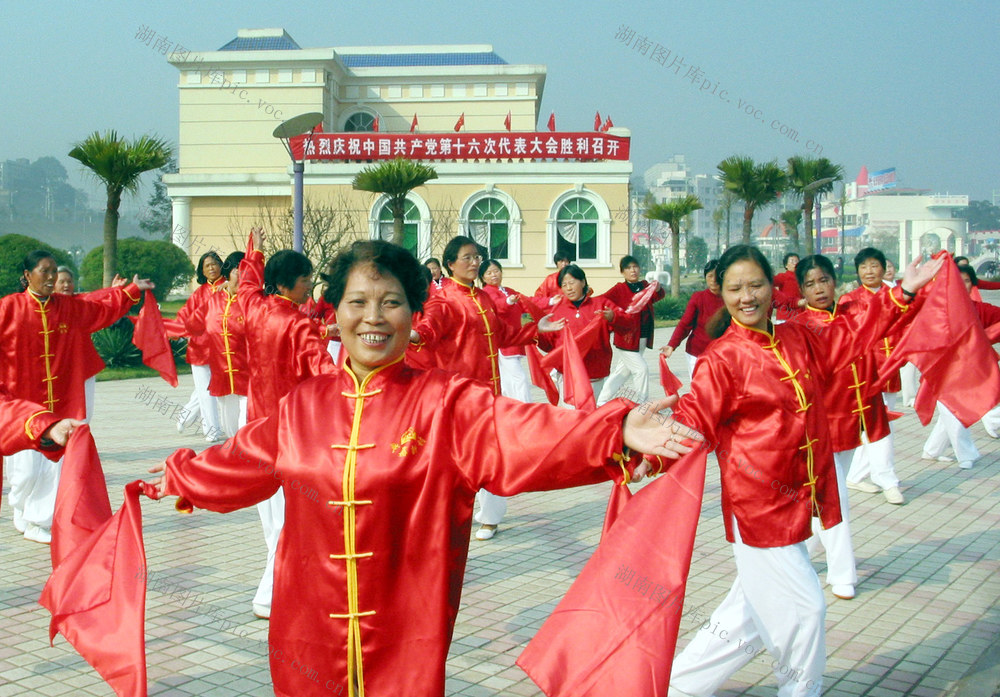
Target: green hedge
(13, 249)
(161, 262)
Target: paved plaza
(925, 621)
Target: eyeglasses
(470, 259)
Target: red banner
(461, 146)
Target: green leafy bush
(671, 307)
(13, 249)
(114, 345)
(161, 262)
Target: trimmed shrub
(13, 249)
(161, 262)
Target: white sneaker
(843, 591)
(990, 432)
(965, 464)
(893, 495)
(863, 486)
(486, 532)
(262, 612)
(19, 523)
(35, 533)
(940, 458)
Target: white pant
(948, 430)
(89, 388)
(232, 413)
(877, 460)
(909, 376)
(626, 365)
(272, 519)
(776, 603)
(201, 402)
(840, 566)
(692, 361)
(514, 383)
(991, 419)
(34, 480)
(595, 385)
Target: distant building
(520, 190)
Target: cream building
(233, 173)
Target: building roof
(410, 60)
(262, 43)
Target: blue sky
(909, 86)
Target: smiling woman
(368, 575)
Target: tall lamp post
(812, 186)
(286, 130)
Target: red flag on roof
(150, 337)
(506, 121)
(597, 121)
(615, 631)
(552, 121)
(413, 124)
(607, 125)
(460, 122)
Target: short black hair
(451, 250)
(231, 262)
(784, 261)
(284, 269)
(869, 253)
(627, 261)
(31, 260)
(962, 260)
(576, 272)
(560, 256)
(710, 267)
(433, 260)
(202, 278)
(485, 266)
(815, 261)
(720, 321)
(970, 272)
(388, 259)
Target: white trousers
(909, 376)
(948, 430)
(840, 566)
(232, 413)
(776, 603)
(692, 361)
(34, 480)
(991, 419)
(877, 460)
(514, 383)
(89, 388)
(272, 518)
(595, 385)
(626, 365)
(201, 402)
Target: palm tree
(756, 184)
(790, 221)
(395, 178)
(673, 213)
(803, 175)
(118, 163)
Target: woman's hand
(919, 275)
(608, 313)
(546, 324)
(257, 234)
(667, 350)
(513, 299)
(118, 282)
(641, 471)
(143, 283)
(648, 431)
(60, 431)
(157, 483)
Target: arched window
(411, 223)
(576, 229)
(361, 121)
(489, 224)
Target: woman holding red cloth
(221, 320)
(757, 395)
(45, 336)
(369, 574)
(701, 307)
(209, 275)
(786, 287)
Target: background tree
(802, 173)
(395, 178)
(118, 163)
(157, 218)
(13, 249)
(756, 184)
(790, 221)
(696, 253)
(162, 262)
(673, 213)
(982, 215)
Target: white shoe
(486, 532)
(863, 486)
(893, 495)
(990, 432)
(262, 612)
(940, 458)
(35, 533)
(966, 464)
(843, 591)
(19, 523)
(181, 426)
